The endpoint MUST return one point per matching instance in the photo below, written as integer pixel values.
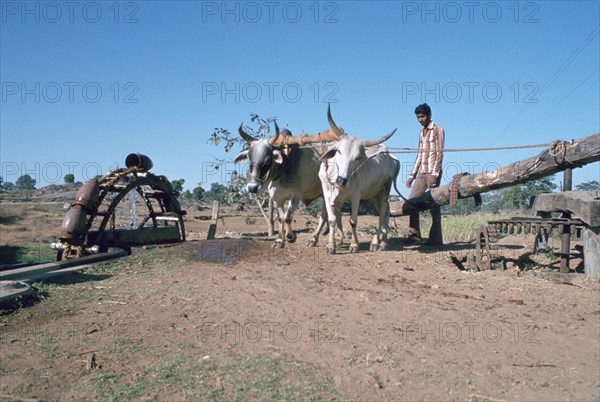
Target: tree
(198, 193)
(463, 206)
(178, 185)
(25, 182)
(514, 197)
(588, 186)
(7, 185)
(235, 191)
(224, 135)
(69, 178)
(521, 195)
(217, 193)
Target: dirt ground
(235, 319)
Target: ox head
(263, 157)
(347, 155)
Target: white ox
(356, 170)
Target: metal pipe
(140, 161)
(73, 223)
(26, 272)
(87, 195)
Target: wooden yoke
(303, 139)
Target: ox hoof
(330, 250)
(382, 247)
(278, 244)
(354, 249)
(374, 247)
(312, 243)
(291, 238)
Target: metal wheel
(484, 248)
(97, 229)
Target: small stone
(91, 362)
(219, 384)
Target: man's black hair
(423, 109)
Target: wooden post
(270, 220)
(212, 230)
(568, 180)
(565, 243)
(591, 250)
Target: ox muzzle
(253, 187)
(341, 182)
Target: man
(427, 174)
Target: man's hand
(409, 183)
(432, 181)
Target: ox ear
(242, 156)
(328, 155)
(277, 156)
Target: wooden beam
(561, 156)
(584, 204)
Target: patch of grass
(25, 388)
(376, 377)
(26, 254)
(9, 219)
(114, 387)
(186, 373)
(122, 345)
(48, 344)
(457, 228)
(220, 377)
(71, 291)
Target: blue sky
(86, 83)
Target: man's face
(423, 119)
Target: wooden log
(552, 160)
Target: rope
(558, 148)
(353, 171)
(454, 187)
(415, 150)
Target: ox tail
(397, 163)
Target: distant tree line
(26, 182)
(227, 194)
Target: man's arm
(439, 154)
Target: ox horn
(379, 140)
(274, 138)
(336, 130)
(245, 136)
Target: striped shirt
(429, 155)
